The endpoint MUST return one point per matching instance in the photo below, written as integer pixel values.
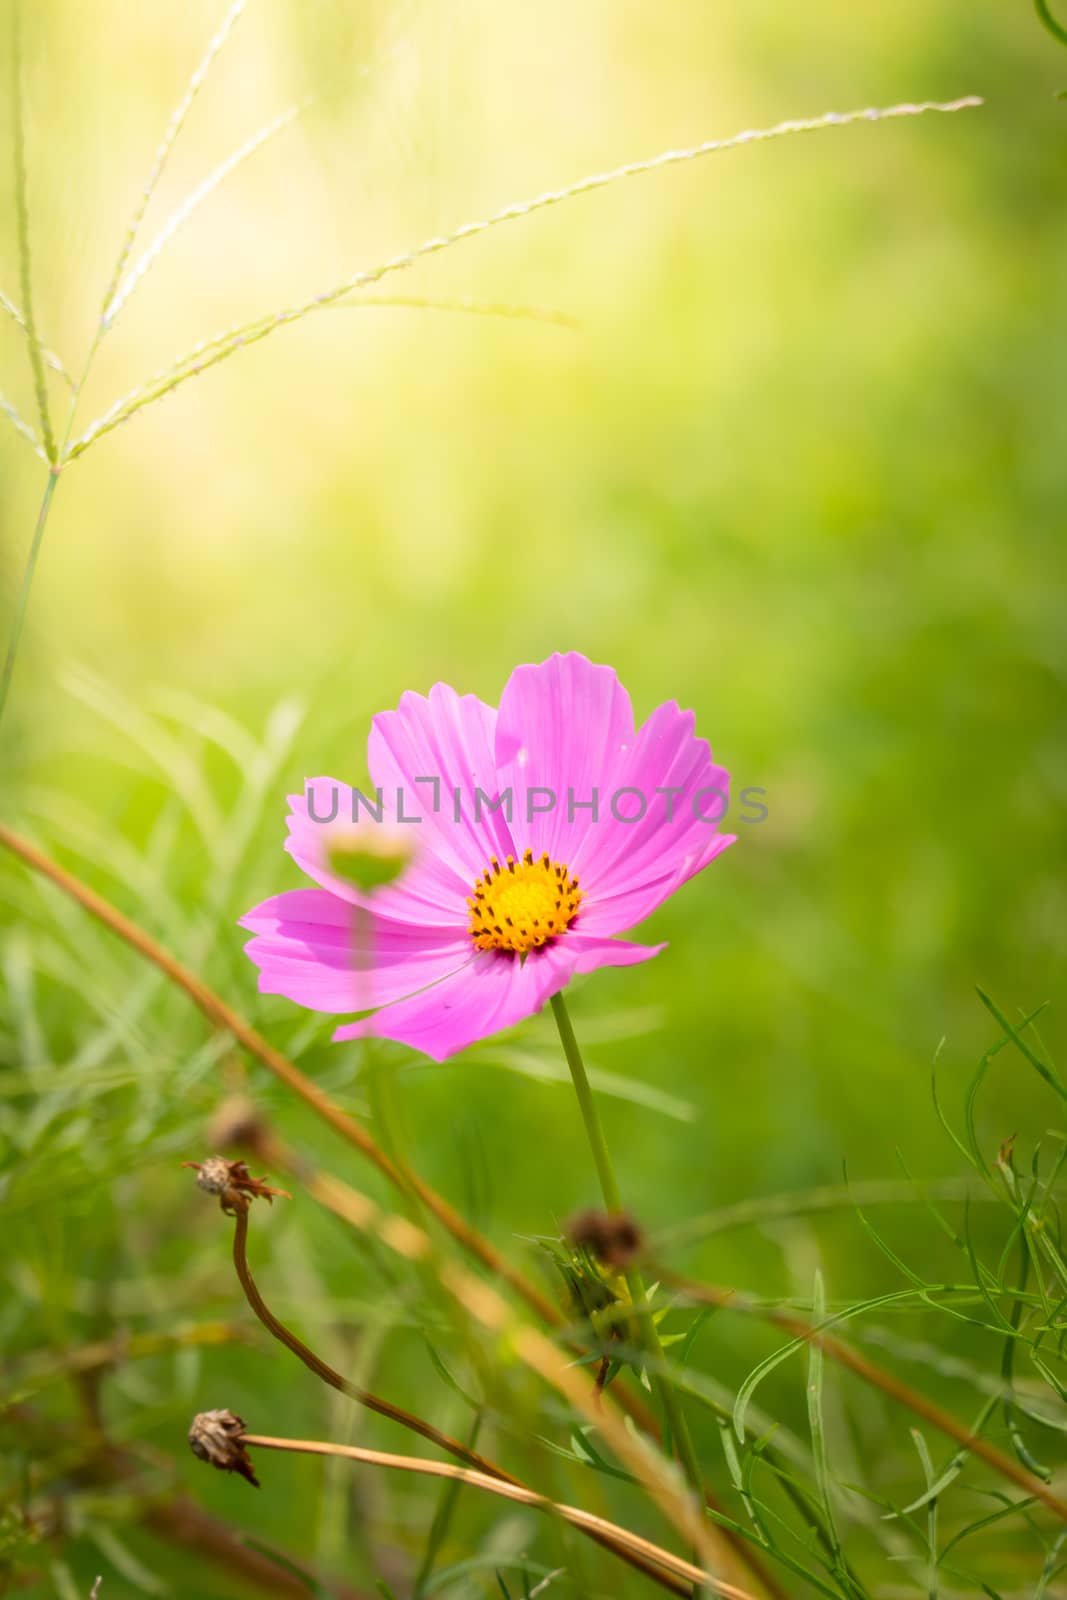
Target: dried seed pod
(238, 1123)
(216, 1437)
(232, 1182)
(615, 1239)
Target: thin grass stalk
(48, 356)
(336, 1380)
(344, 1201)
(442, 1521)
(672, 1406)
(180, 217)
(537, 1352)
(162, 155)
(467, 306)
(21, 426)
(586, 1520)
(531, 1347)
(223, 1016)
(22, 600)
(22, 223)
(352, 1207)
(385, 1408)
(1049, 21)
(209, 352)
(878, 1377)
(57, 457)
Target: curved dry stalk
(343, 1200)
(898, 1391)
(355, 1209)
(22, 222)
(651, 1469)
(477, 1298)
(173, 1517)
(586, 1520)
(223, 1016)
(190, 204)
(385, 1408)
(336, 1380)
(162, 155)
(211, 351)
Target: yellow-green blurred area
(779, 433)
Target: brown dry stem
(214, 1440)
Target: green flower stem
(587, 1105)
(672, 1410)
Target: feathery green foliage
(799, 464)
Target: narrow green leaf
(1021, 1044)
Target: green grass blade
(442, 1517)
(1015, 1035)
(931, 1496)
(1050, 1570)
(816, 1426)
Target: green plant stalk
(58, 455)
(1056, 30)
(442, 1518)
(54, 470)
(23, 600)
(22, 219)
(378, 1074)
(672, 1410)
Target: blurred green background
(799, 463)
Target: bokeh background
(797, 459)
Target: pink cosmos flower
(541, 830)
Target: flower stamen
(522, 905)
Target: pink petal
(491, 992)
(306, 949)
(446, 741)
(430, 891)
(563, 727)
(586, 953)
(614, 913)
(628, 867)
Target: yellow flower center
(523, 904)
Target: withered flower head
(216, 1436)
(232, 1182)
(238, 1123)
(616, 1240)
